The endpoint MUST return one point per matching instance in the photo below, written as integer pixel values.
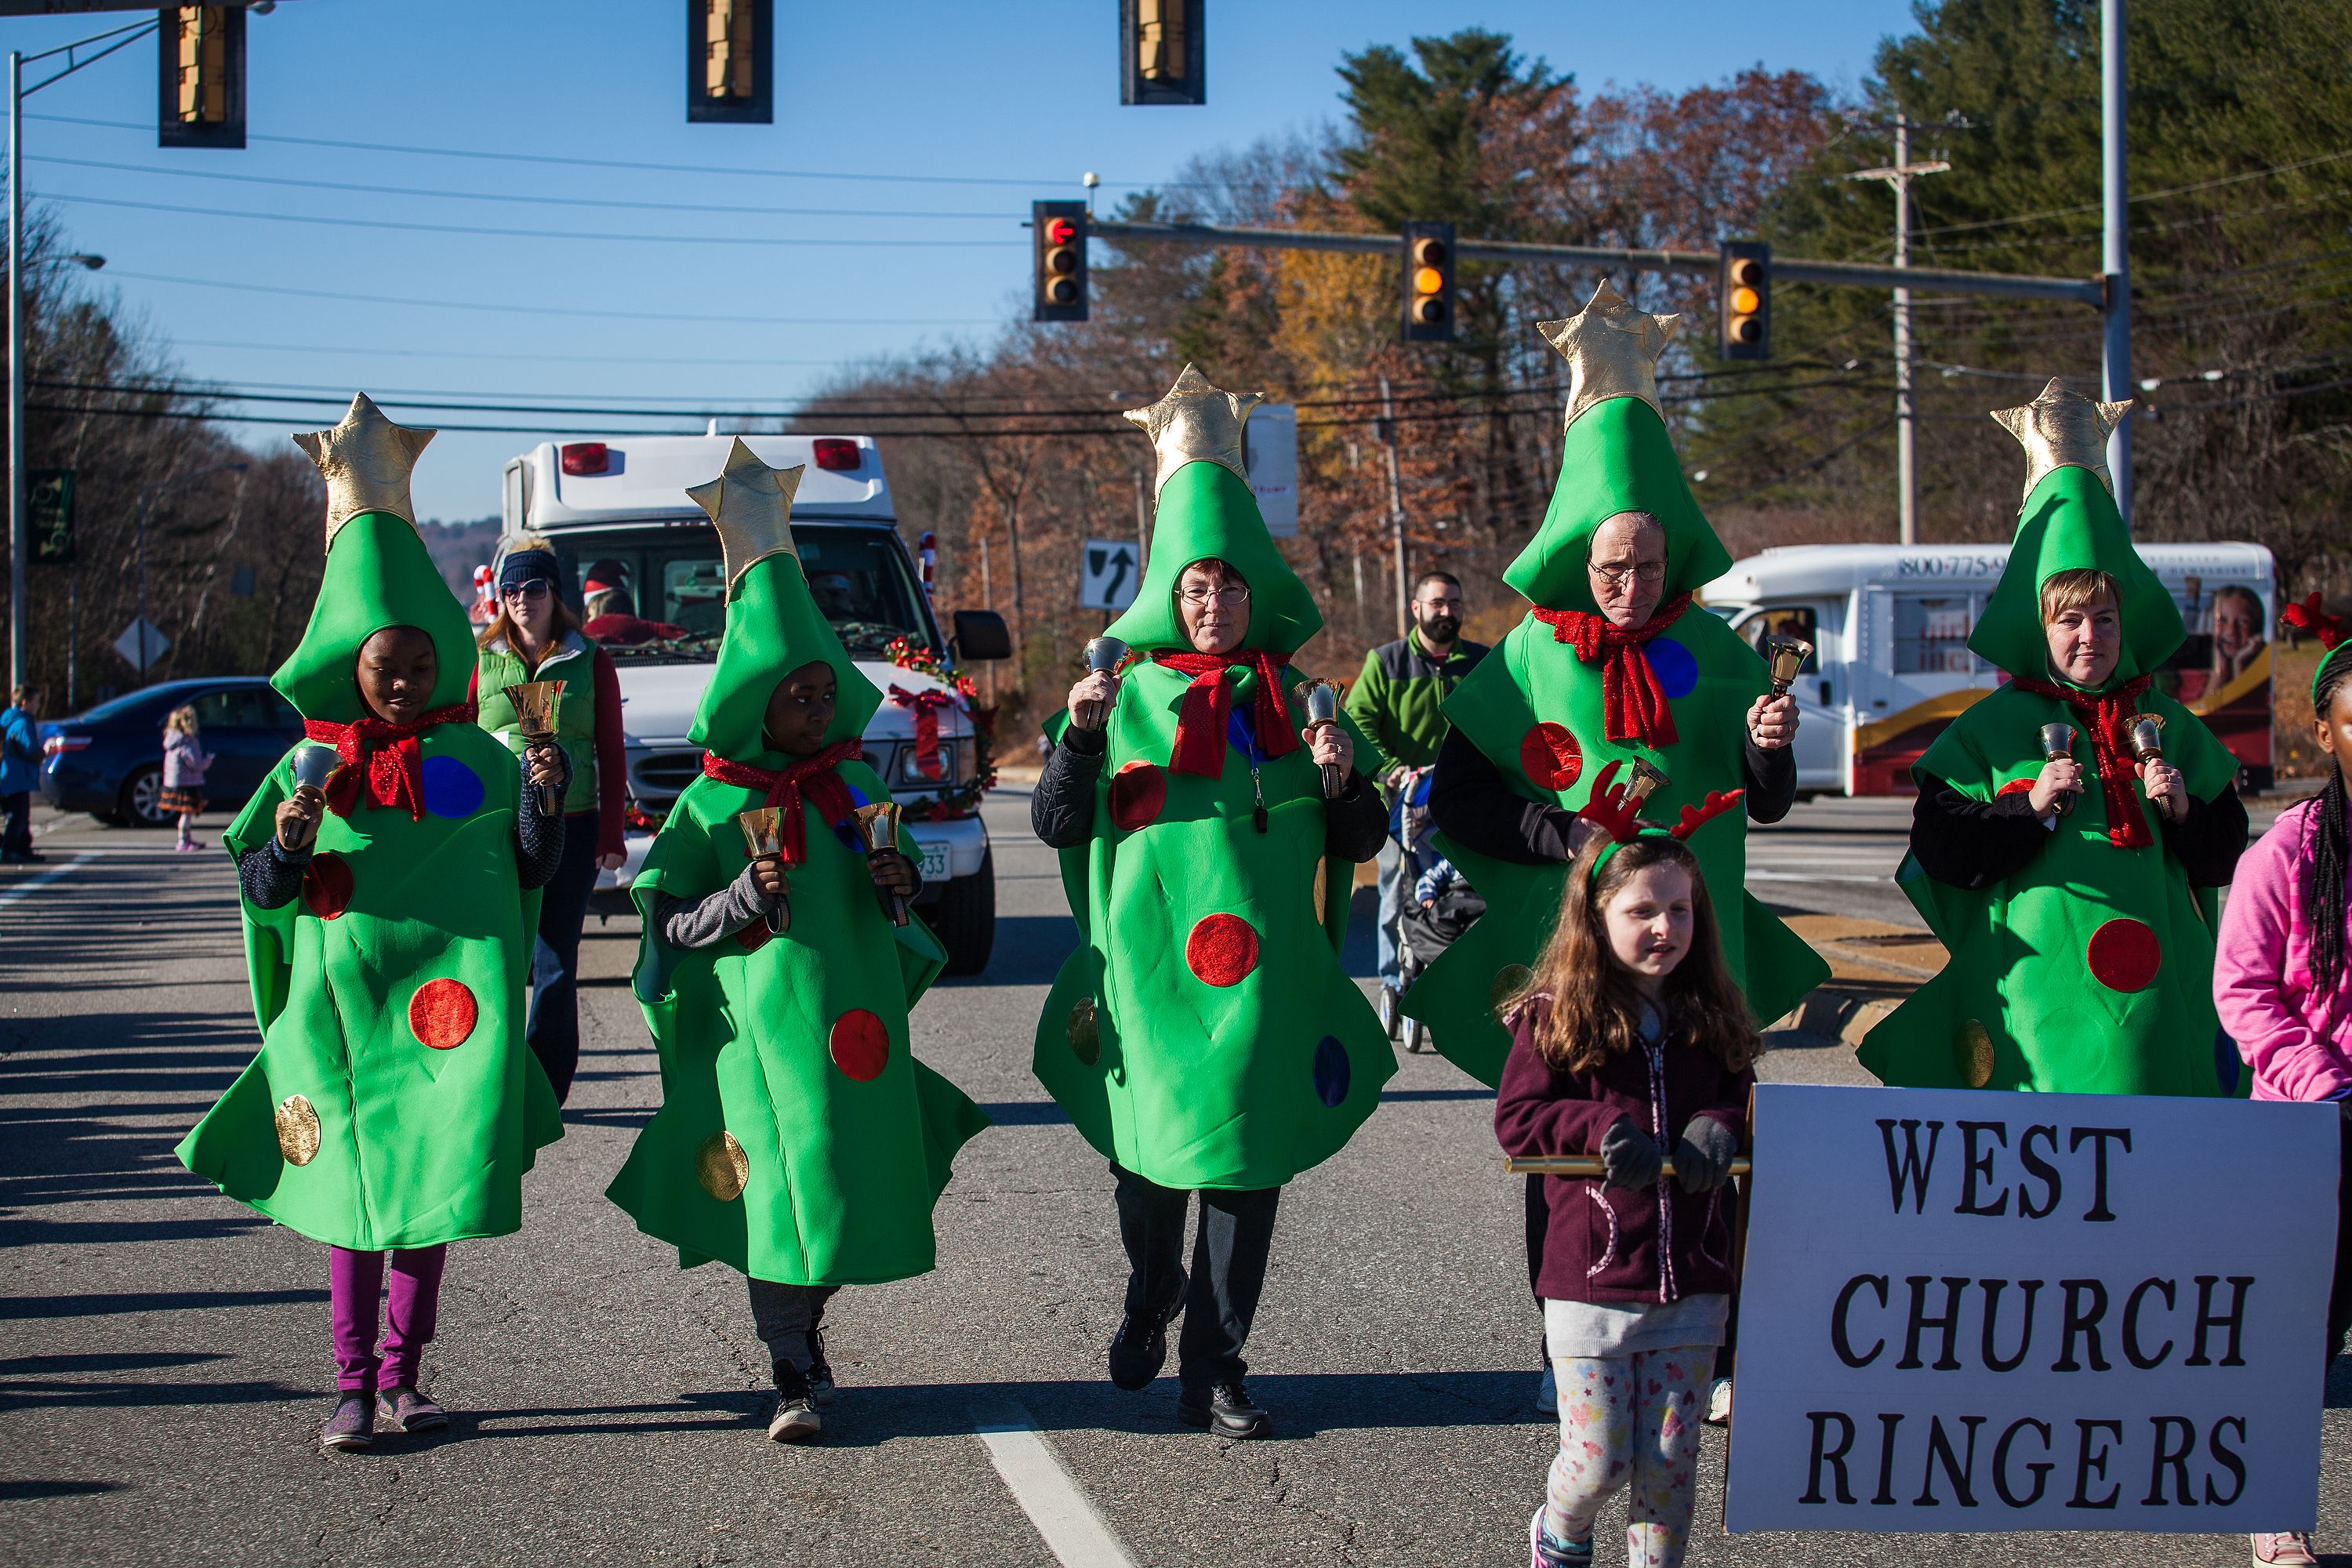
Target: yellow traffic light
(1428, 282)
(1160, 40)
(1744, 294)
(729, 63)
(203, 63)
(200, 64)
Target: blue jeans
(1395, 888)
(552, 1030)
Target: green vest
(573, 663)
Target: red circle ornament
(2124, 955)
(1221, 950)
(442, 1013)
(1138, 792)
(327, 885)
(861, 1045)
(1550, 756)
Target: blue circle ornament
(1332, 1072)
(451, 788)
(1675, 667)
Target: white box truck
(617, 510)
(1890, 624)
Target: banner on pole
(1989, 1312)
(1270, 452)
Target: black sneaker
(353, 1425)
(794, 1418)
(1224, 1408)
(1140, 1349)
(820, 1371)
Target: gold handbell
(763, 828)
(535, 705)
(877, 829)
(1643, 780)
(2147, 737)
(1787, 656)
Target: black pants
(1229, 1258)
(2339, 1298)
(554, 1029)
(17, 836)
(783, 1316)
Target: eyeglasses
(1650, 572)
(1228, 596)
(536, 588)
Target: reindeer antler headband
(1613, 808)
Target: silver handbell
(2058, 741)
(2147, 737)
(1323, 707)
(1103, 656)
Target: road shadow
(109, 1305)
(1030, 950)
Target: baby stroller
(1439, 903)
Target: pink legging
(1630, 1421)
(355, 1288)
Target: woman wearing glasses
(535, 636)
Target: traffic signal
(729, 50)
(200, 57)
(1744, 298)
(1058, 233)
(1428, 282)
(1162, 57)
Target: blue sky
(919, 132)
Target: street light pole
(2116, 260)
(18, 642)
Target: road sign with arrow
(1108, 571)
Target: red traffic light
(1060, 231)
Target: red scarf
(927, 705)
(1208, 705)
(809, 778)
(1632, 705)
(2107, 715)
(382, 760)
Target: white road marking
(1045, 1490)
(1755, 875)
(30, 883)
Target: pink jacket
(2293, 1038)
(184, 763)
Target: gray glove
(1629, 1156)
(1703, 1159)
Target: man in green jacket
(1398, 701)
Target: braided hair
(2333, 847)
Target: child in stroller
(1442, 903)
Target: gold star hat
(774, 625)
(1615, 456)
(2069, 522)
(378, 572)
(1206, 510)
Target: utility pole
(2116, 260)
(1899, 175)
(1386, 433)
(1142, 525)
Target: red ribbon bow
(2107, 715)
(1208, 704)
(1634, 707)
(382, 759)
(927, 705)
(808, 779)
(2309, 619)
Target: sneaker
(1546, 1550)
(2287, 1549)
(1548, 1393)
(1224, 1408)
(353, 1425)
(1140, 1349)
(1718, 1403)
(795, 1419)
(403, 1408)
(820, 1371)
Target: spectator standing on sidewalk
(1398, 700)
(20, 767)
(184, 761)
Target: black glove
(1703, 1159)
(1629, 1156)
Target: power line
(2143, 196)
(694, 360)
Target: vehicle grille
(660, 776)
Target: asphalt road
(165, 1357)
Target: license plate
(934, 861)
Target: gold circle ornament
(298, 1130)
(1086, 1031)
(1509, 980)
(722, 1167)
(1973, 1053)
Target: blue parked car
(108, 761)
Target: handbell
(1103, 656)
(763, 828)
(877, 829)
(1787, 657)
(1643, 780)
(2058, 741)
(2147, 737)
(1323, 707)
(314, 764)
(536, 704)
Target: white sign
(127, 645)
(1270, 452)
(1108, 571)
(1984, 1310)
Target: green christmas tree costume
(798, 1141)
(2090, 972)
(1540, 712)
(393, 1102)
(1203, 1034)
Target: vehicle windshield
(115, 706)
(659, 597)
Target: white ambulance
(617, 514)
(1890, 626)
